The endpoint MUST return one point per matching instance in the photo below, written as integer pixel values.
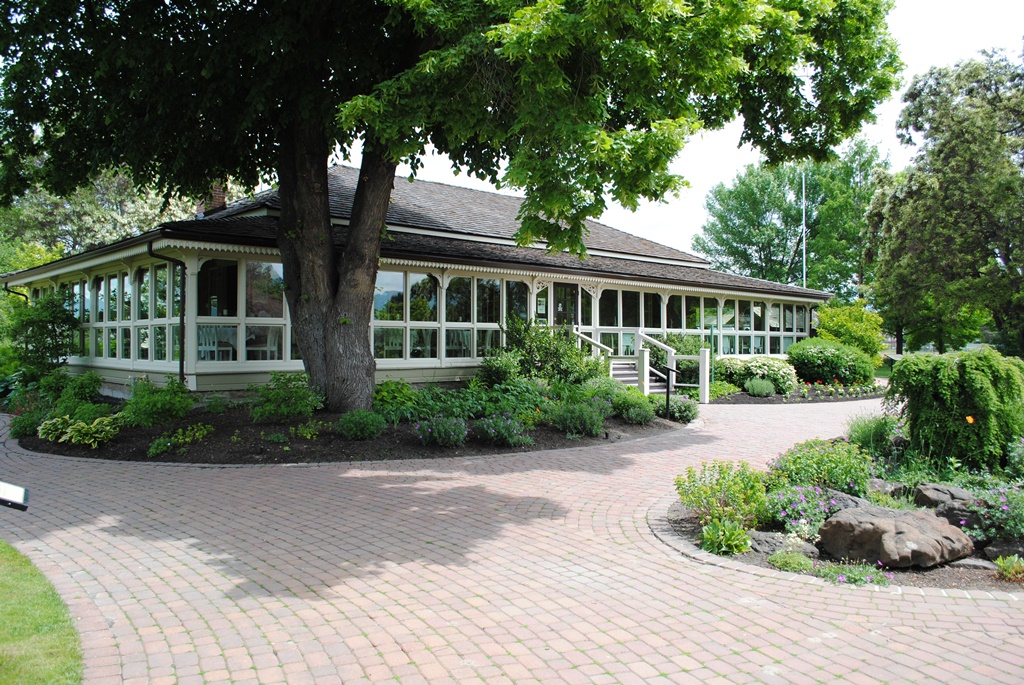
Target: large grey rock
(974, 564)
(895, 537)
(887, 487)
(769, 543)
(959, 514)
(1004, 548)
(933, 494)
(840, 501)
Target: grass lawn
(883, 371)
(38, 641)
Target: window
(126, 297)
(143, 280)
(389, 296)
(744, 344)
(611, 340)
(728, 317)
(744, 315)
(264, 290)
(652, 310)
(422, 298)
(486, 341)
(728, 344)
(759, 318)
(774, 319)
(160, 291)
(112, 293)
(517, 300)
(608, 308)
(758, 344)
(423, 343)
(692, 312)
(630, 310)
(542, 306)
(787, 318)
(388, 343)
(176, 291)
(142, 340)
(111, 335)
(774, 345)
(458, 300)
(801, 319)
(586, 308)
(217, 343)
(160, 343)
(458, 343)
(264, 342)
(710, 313)
(218, 289)
(674, 312)
(488, 300)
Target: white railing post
(704, 376)
(643, 370)
(670, 377)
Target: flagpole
(803, 220)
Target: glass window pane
(388, 343)
(744, 344)
(630, 310)
(175, 342)
(458, 300)
(423, 343)
(100, 341)
(786, 342)
(76, 300)
(729, 316)
(458, 343)
(652, 310)
(728, 344)
(758, 345)
(801, 319)
(217, 343)
(542, 306)
(692, 312)
(143, 279)
(160, 291)
(759, 315)
(774, 317)
(113, 290)
(628, 343)
(608, 308)
(111, 342)
(774, 345)
(176, 291)
(142, 339)
(744, 315)
(710, 312)
(126, 297)
(586, 308)
(264, 290)
(264, 342)
(389, 297)
(487, 341)
(218, 288)
(674, 312)
(160, 343)
(422, 297)
(488, 300)
(517, 299)
(611, 340)
(86, 302)
(86, 343)
(787, 318)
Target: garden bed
(805, 394)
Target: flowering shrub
(816, 359)
(633, 406)
(723, 491)
(778, 371)
(831, 464)
(443, 431)
(501, 367)
(681, 409)
(800, 508)
(579, 418)
(1001, 511)
(503, 430)
(729, 369)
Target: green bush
(284, 397)
(819, 360)
(361, 424)
(43, 332)
(716, 389)
(853, 325)
(965, 407)
(724, 490)
(445, 431)
(504, 430)
(579, 419)
(759, 387)
(1010, 568)
(792, 562)
(633, 406)
(92, 434)
(89, 412)
(877, 435)
(724, 538)
(682, 344)
(795, 503)
(500, 368)
(464, 403)
(605, 388)
(520, 398)
(77, 391)
(729, 369)
(551, 353)
(1001, 511)
(778, 371)
(150, 405)
(395, 401)
(681, 409)
(54, 429)
(179, 439)
(27, 424)
(829, 464)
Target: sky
(929, 33)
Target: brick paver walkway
(537, 567)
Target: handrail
(593, 342)
(657, 343)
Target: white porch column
(191, 313)
(704, 376)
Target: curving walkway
(536, 567)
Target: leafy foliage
(724, 538)
(580, 418)
(395, 401)
(151, 405)
(759, 387)
(723, 491)
(550, 354)
(1010, 568)
(444, 431)
(94, 434)
(800, 505)
(179, 439)
(501, 367)
(819, 360)
(962, 406)
(792, 562)
(360, 424)
(504, 430)
(633, 406)
(1001, 511)
(876, 435)
(285, 396)
(853, 325)
(829, 464)
(43, 333)
(778, 371)
(681, 409)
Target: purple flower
(963, 522)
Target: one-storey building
(205, 297)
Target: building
(450, 274)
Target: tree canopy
(950, 229)
(580, 101)
(755, 225)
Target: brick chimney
(215, 202)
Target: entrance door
(566, 297)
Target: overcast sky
(929, 32)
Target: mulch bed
(684, 524)
(237, 440)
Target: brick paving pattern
(531, 568)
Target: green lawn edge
(38, 640)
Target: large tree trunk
(330, 295)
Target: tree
(571, 102)
(755, 227)
(950, 229)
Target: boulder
(958, 513)
(1004, 548)
(887, 487)
(769, 543)
(974, 564)
(895, 537)
(840, 501)
(933, 494)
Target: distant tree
(951, 229)
(755, 227)
(573, 102)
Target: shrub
(1001, 511)
(724, 538)
(633, 406)
(521, 398)
(74, 390)
(361, 424)
(54, 429)
(89, 412)
(150, 405)
(551, 353)
(963, 406)
(579, 419)
(723, 490)
(286, 396)
(851, 574)
(853, 325)
(682, 344)
(716, 389)
(92, 434)
(395, 401)
(778, 371)
(793, 562)
(464, 403)
(445, 431)
(1015, 459)
(681, 409)
(798, 505)
(876, 435)
(818, 360)
(1010, 568)
(27, 424)
(504, 430)
(179, 439)
(829, 464)
(759, 387)
(729, 369)
(500, 368)
(43, 332)
(605, 388)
